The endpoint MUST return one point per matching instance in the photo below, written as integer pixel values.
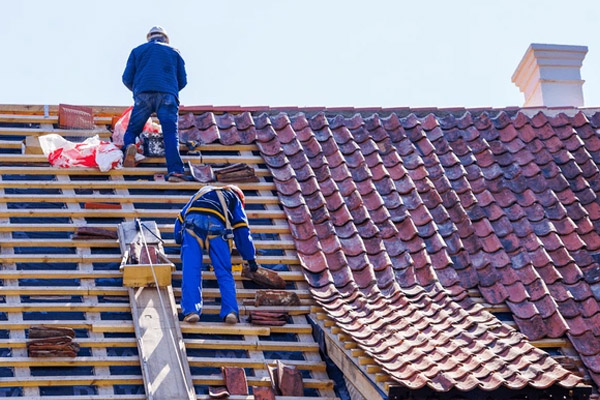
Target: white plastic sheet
(92, 152)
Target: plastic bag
(92, 152)
(121, 127)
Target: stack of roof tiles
(396, 218)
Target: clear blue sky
(279, 53)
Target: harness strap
(228, 229)
(204, 244)
(228, 234)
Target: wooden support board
(160, 344)
(159, 341)
(352, 371)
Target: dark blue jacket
(209, 204)
(155, 67)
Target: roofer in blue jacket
(155, 73)
(209, 221)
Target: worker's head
(158, 33)
(238, 192)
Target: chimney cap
(549, 75)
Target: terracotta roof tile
(388, 211)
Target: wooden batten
(89, 292)
(141, 275)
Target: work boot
(192, 317)
(130, 156)
(231, 318)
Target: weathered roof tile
(498, 202)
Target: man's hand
(253, 265)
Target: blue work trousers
(194, 241)
(166, 107)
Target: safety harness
(226, 234)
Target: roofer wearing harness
(210, 221)
(155, 73)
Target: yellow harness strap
(205, 244)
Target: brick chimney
(548, 75)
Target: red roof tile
(395, 217)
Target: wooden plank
(147, 170)
(113, 243)
(160, 346)
(73, 258)
(137, 380)
(121, 307)
(214, 328)
(253, 345)
(142, 275)
(32, 146)
(42, 119)
(138, 213)
(71, 227)
(214, 362)
(18, 373)
(11, 144)
(83, 133)
(38, 109)
(128, 199)
(346, 364)
(28, 184)
(293, 276)
(116, 291)
(40, 158)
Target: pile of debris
(272, 299)
(51, 341)
(239, 172)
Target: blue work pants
(166, 107)
(194, 241)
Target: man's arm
(241, 233)
(129, 72)
(180, 222)
(178, 231)
(181, 75)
